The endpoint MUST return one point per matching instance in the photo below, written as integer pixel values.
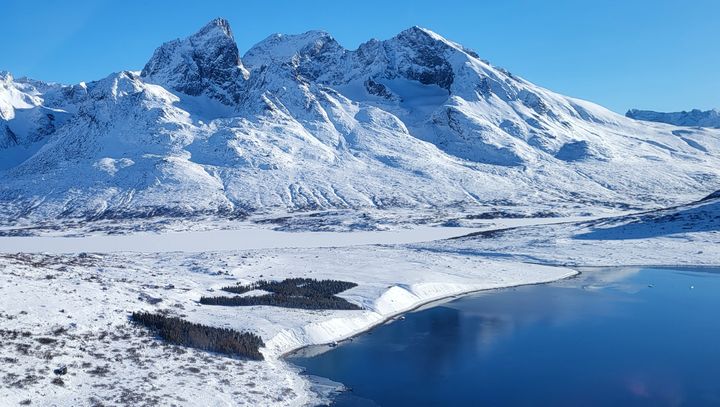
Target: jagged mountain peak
(420, 36)
(115, 86)
(416, 53)
(416, 32)
(217, 25)
(292, 48)
(411, 121)
(207, 62)
(15, 94)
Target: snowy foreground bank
(73, 309)
(82, 303)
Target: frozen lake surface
(218, 240)
(622, 337)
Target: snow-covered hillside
(682, 235)
(701, 216)
(695, 117)
(299, 122)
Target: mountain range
(695, 117)
(300, 123)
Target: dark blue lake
(612, 337)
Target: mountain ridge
(301, 123)
(694, 117)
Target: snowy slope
(682, 235)
(701, 216)
(299, 123)
(30, 112)
(695, 117)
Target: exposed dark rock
(60, 370)
(207, 62)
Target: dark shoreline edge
(429, 304)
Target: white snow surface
(683, 235)
(244, 236)
(83, 301)
(301, 123)
(250, 237)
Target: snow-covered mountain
(299, 122)
(695, 117)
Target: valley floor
(72, 309)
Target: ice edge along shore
(395, 301)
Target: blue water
(615, 337)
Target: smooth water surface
(617, 337)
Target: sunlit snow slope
(299, 122)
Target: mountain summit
(299, 122)
(207, 62)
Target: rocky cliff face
(206, 63)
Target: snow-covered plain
(83, 301)
(684, 235)
(243, 236)
(248, 237)
(73, 309)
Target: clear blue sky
(662, 55)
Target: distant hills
(694, 118)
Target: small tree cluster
(181, 332)
(304, 293)
(279, 300)
(305, 287)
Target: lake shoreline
(358, 349)
(428, 304)
(438, 301)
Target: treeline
(184, 333)
(279, 300)
(305, 287)
(304, 293)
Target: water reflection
(610, 337)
